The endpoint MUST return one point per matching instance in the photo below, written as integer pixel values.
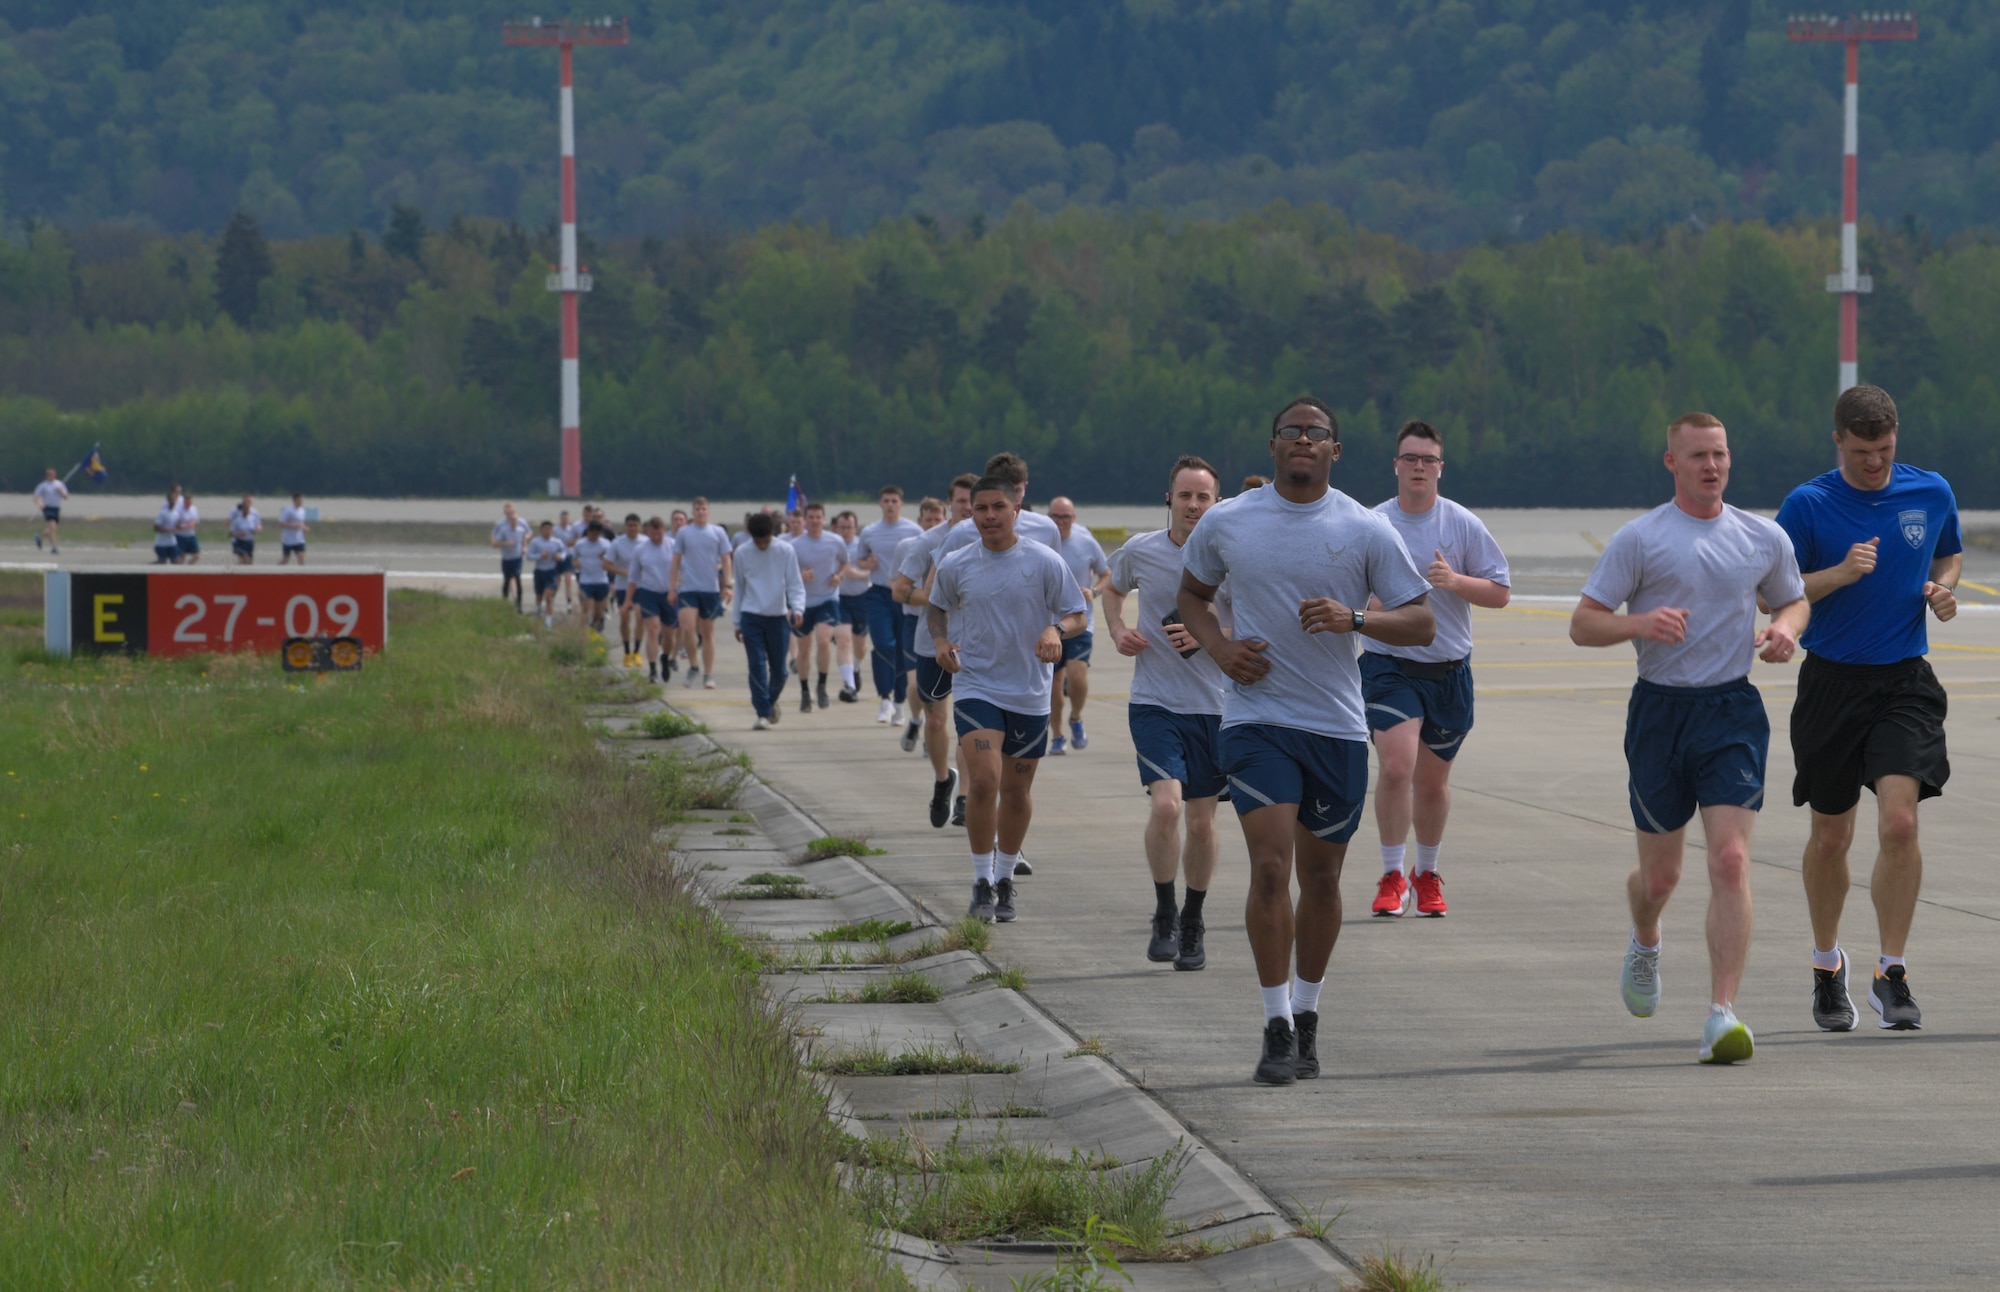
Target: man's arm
(1778, 640)
(1074, 623)
(1242, 661)
(1942, 590)
(674, 574)
(1595, 624)
(1857, 565)
(1129, 641)
(728, 571)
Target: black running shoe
(1166, 936)
(805, 701)
(958, 810)
(652, 673)
(910, 733)
(982, 901)
(1021, 867)
(1890, 995)
(941, 799)
(848, 695)
(824, 702)
(1833, 1008)
(1305, 1023)
(1192, 955)
(1278, 1067)
(1003, 901)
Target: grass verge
(1394, 1272)
(378, 980)
(905, 988)
(840, 845)
(768, 886)
(870, 930)
(930, 1059)
(668, 726)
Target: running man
(548, 554)
(166, 527)
(850, 633)
(244, 526)
(631, 631)
(1302, 560)
(292, 529)
(1879, 544)
(1083, 554)
(997, 616)
(648, 585)
(700, 584)
(567, 533)
(592, 557)
(770, 599)
(822, 558)
(930, 519)
(1175, 714)
(875, 552)
(1692, 573)
(1420, 697)
(186, 537)
(509, 533)
(50, 495)
(914, 570)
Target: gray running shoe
(1641, 981)
(1305, 1025)
(1003, 901)
(1725, 1039)
(982, 901)
(1891, 998)
(910, 734)
(941, 798)
(824, 702)
(1192, 956)
(1165, 941)
(1833, 1008)
(958, 810)
(1277, 1066)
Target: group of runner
(177, 525)
(1276, 633)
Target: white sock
(1392, 857)
(1003, 865)
(1427, 857)
(1640, 946)
(1882, 965)
(1277, 1002)
(847, 676)
(1827, 960)
(1305, 995)
(982, 866)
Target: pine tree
(405, 234)
(241, 265)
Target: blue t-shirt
(1878, 619)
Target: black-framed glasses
(1314, 434)
(1420, 459)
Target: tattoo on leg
(1022, 769)
(981, 745)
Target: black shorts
(1854, 723)
(52, 513)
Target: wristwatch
(1360, 618)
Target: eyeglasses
(1314, 434)
(1420, 459)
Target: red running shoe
(1430, 894)
(1392, 895)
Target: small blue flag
(795, 498)
(93, 466)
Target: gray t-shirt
(1083, 554)
(904, 551)
(510, 537)
(590, 554)
(854, 587)
(1713, 569)
(916, 560)
(1462, 537)
(1028, 525)
(823, 556)
(622, 549)
(997, 604)
(767, 581)
(546, 553)
(652, 564)
(1150, 564)
(880, 540)
(701, 549)
(1277, 554)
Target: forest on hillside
(1439, 121)
(1098, 344)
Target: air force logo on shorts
(1913, 524)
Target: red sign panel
(194, 612)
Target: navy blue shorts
(1444, 703)
(594, 591)
(1689, 746)
(1077, 647)
(300, 548)
(188, 544)
(566, 566)
(52, 513)
(826, 612)
(243, 546)
(706, 604)
(1178, 747)
(854, 612)
(546, 579)
(1022, 735)
(510, 567)
(166, 555)
(652, 605)
(1324, 776)
(933, 683)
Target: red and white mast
(1850, 282)
(569, 280)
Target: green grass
(695, 784)
(1395, 1272)
(927, 1060)
(905, 988)
(839, 845)
(870, 930)
(669, 725)
(1013, 977)
(378, 980)
(764, 886)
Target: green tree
(242, 264)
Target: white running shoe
(1725, 1039)
(1641, 981)
(692, 674)
(899, 715)
(762, 724)
(884, 710)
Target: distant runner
(769, 604)
(292, 529)
(166, 528)
(875, 552)
(186, 537)
(50, 495)
(914, 572)
(509, 533)
(701, 584)
(822, 558)
(548, 554)
(850, 632)
(1084, 555)
(244, 526)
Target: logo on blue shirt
(1913, 523)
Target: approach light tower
(1850, 282)
(566, 34)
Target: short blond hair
(1703, 421)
